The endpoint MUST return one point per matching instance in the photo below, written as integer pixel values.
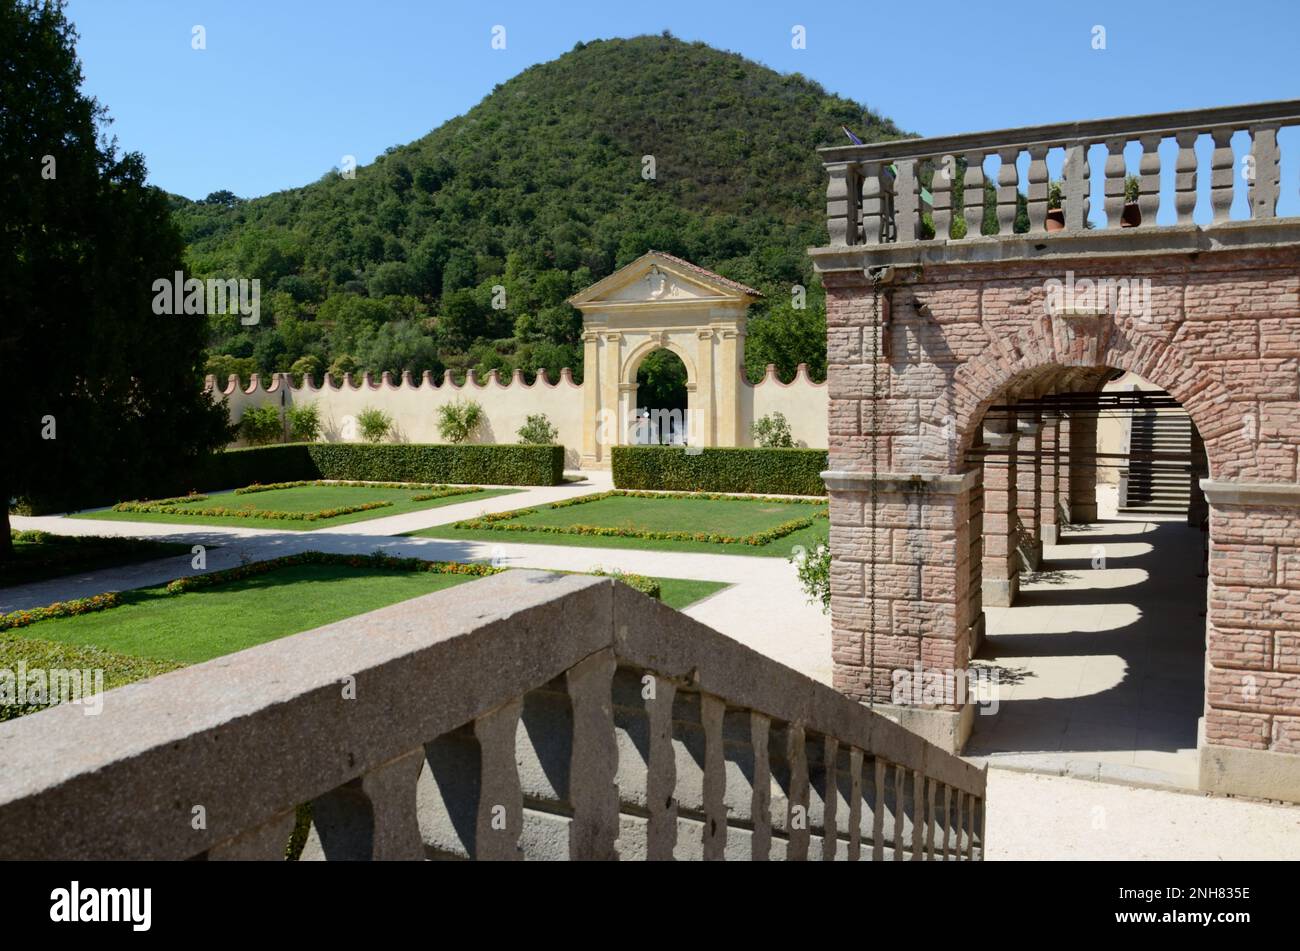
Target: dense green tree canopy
(100, 391)
(474, 235)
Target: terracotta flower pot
(1055, 219)
(1131, 216)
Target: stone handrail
(874, 195)
(527, 715)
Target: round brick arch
(1045, 357)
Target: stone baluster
(1115, 172)
(830, 798)
(1221, 173)
(1149, 179)
(661, 775)
(907, 201)
(952, 825)
(499, 818)
(593, 763)
(973, 207)
(761, 802)
(797, 819)
(264, 842)
(878, 813)
(931, 817)
(899, 812)
(842, 204)
(1039, 182)
(971, 801)
(1008, 190)
(874, 205)
(712, 711)
(959, 850)
(371, 818)
(1185, 176)
(1074, 187)
(918, 815)
(855, 804)
(1266, 180)
(941, 196)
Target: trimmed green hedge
(291, 462)
(384, 462)
(506, 464)
(777, 471)
(456, 464)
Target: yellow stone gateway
(662, 302)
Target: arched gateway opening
(661, 406)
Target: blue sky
(284, 88)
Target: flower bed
(438, 491)
(373, 560)
(165, 507)
(98, 602)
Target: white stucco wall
(413, 405)
(804, 403)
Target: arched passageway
(1093, 584)
(661, 400)
(923, 539)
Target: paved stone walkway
(1103, 662)
(1036, 817)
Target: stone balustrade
(876, 194)
(527, 715)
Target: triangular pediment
(657, 278)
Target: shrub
(814, 571)
(457, 421)
(647, 586)
(304, 422)
(538, 431)
(1132, 186)
(780, 471)
(36, 653)
(375, 424)
(261, 424)
(772, 432)
(457, 465)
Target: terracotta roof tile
(705, 272)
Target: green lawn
(682, 592)
(199, 625)
(39, 556)
(732, 517)
(195, 626)
(307, 498)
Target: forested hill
(539, 188)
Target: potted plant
(1055, 213)
(1131, 216)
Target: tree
(114, 406)
(787, 336)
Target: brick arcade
(942, 492)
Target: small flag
(852, 138)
